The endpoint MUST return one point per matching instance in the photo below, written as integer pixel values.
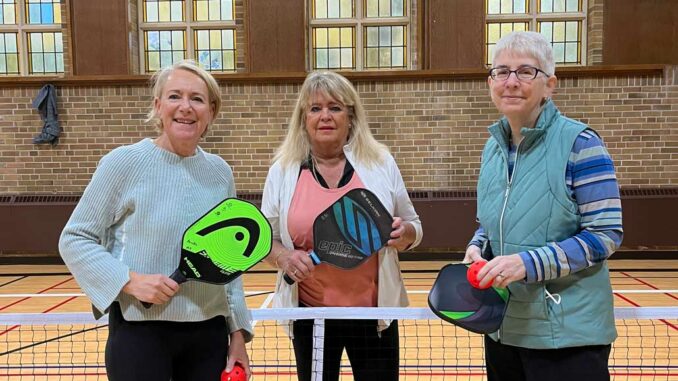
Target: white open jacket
(385, 181)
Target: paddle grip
(176, 276)
(314, 259)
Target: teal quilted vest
(533, 209)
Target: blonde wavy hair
(296, 147)
(159, 79)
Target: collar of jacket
(501, 130)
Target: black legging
(160, 350)
(508, 363)
(374, 356)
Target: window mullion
(359, 45)
(385, 20)
(189, 41)
(359, 38)
(558, 17)
(22, 46)
(511, 18)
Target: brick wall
(435, 129)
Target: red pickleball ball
(472, 275)
(236, 374)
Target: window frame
(532, 18)
(359, 22)
(189, 28)
(22, 28)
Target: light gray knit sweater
(131, 217)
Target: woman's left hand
(502, 270)
(402, 235)
(237, 353)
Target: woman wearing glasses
(550, 216)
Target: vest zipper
(509, 182)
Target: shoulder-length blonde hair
(296, 147)
(159, 79)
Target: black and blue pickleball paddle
(350, 230)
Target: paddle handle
(314, 259)
(176, 276)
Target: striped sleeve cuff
(542, 263)
(530, 268)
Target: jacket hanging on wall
(45, 103)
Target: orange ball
(236, 374)
(472, 275)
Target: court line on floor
(647, 284)
(13, 280)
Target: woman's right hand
(473, 253)
(297, 264)
(151, 288)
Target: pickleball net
(70, 346)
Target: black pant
(509, 363)
(160, 350)
(374, 356)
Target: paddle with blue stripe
(350, 230)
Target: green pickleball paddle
(228, 240)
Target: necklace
(329, 175)
(314, 171)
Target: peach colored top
(328, 286)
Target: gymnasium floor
(18, 280)
(51, 289)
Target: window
(31, 41)
(562, 22)
(204, 30)
(359, 34)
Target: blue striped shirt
(592, 182)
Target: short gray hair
(159, 80)
(531, 44)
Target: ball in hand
(472, 275)
(236, 374)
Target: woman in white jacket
(328, 151)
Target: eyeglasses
(523, 73)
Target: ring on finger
(295, 272)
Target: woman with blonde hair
(123, 240)
(328, 151)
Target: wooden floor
(650, 350)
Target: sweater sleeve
(591, 178)
(403, 205)
(240, 318)
(479, 238)
(84, 240)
